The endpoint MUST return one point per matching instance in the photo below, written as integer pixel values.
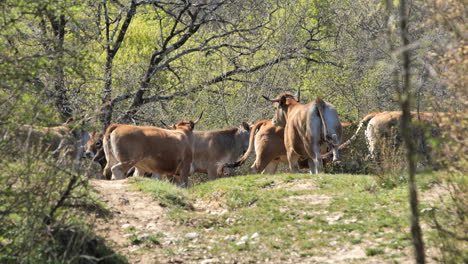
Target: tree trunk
(61, 99)
(407, 132)
(105, 115)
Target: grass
(288, 217)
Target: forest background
(140, 62)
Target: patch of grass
(289, 216)
(167, 194)
(374, 252)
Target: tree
(238, 42)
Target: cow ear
(246, 126)
(192, 125)
(283, 100)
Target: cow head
(282, 103)
(244, 133)
(93, 145)
(185, 125)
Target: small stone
(240, 243)
(143, 237)
(244, 238)
(191, 235)
(134, 248)
(223, 212)
(126, 226)
(255, 235)
(208, 261)
(230, 238)
(151, 226)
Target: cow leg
(138, 173)
(271, 168)
(212, 173)
(266, 162)
(317, 159)
(292, 160)
(335, 144)
(370, 140)
(119, 170)
(316, 164)
(184, 173)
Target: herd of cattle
(301, 135)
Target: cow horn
(196, 121)
(298, 94)
(271, 100)
(164, 124)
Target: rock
(244, 238)
(143, 237)
(255, 235)
(332, 219)
(230, 238)
(123, 201)
(126, 226)
(240, 243)
(223, 212)
(151, 226)
(208, 261)
(191, 235)
(134, 248)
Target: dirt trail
(136, 227)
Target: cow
(346, 131)
(383, 129)
(56, 140)
(304, 128)
(213, 148)
(94, 149)
(267, 141)
(149, 149)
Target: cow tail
(362, 124)
(106, 142)
(242, 160)
(320, 106)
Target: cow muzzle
(88, 155)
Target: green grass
(295, 215)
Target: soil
(134, 214)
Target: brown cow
(149, 149)
(53, 140)
(305, 126)
(267, 141)
(383, 129)
(94, 149)
(213, 148)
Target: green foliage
(41, 222)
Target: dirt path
(137, 227)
